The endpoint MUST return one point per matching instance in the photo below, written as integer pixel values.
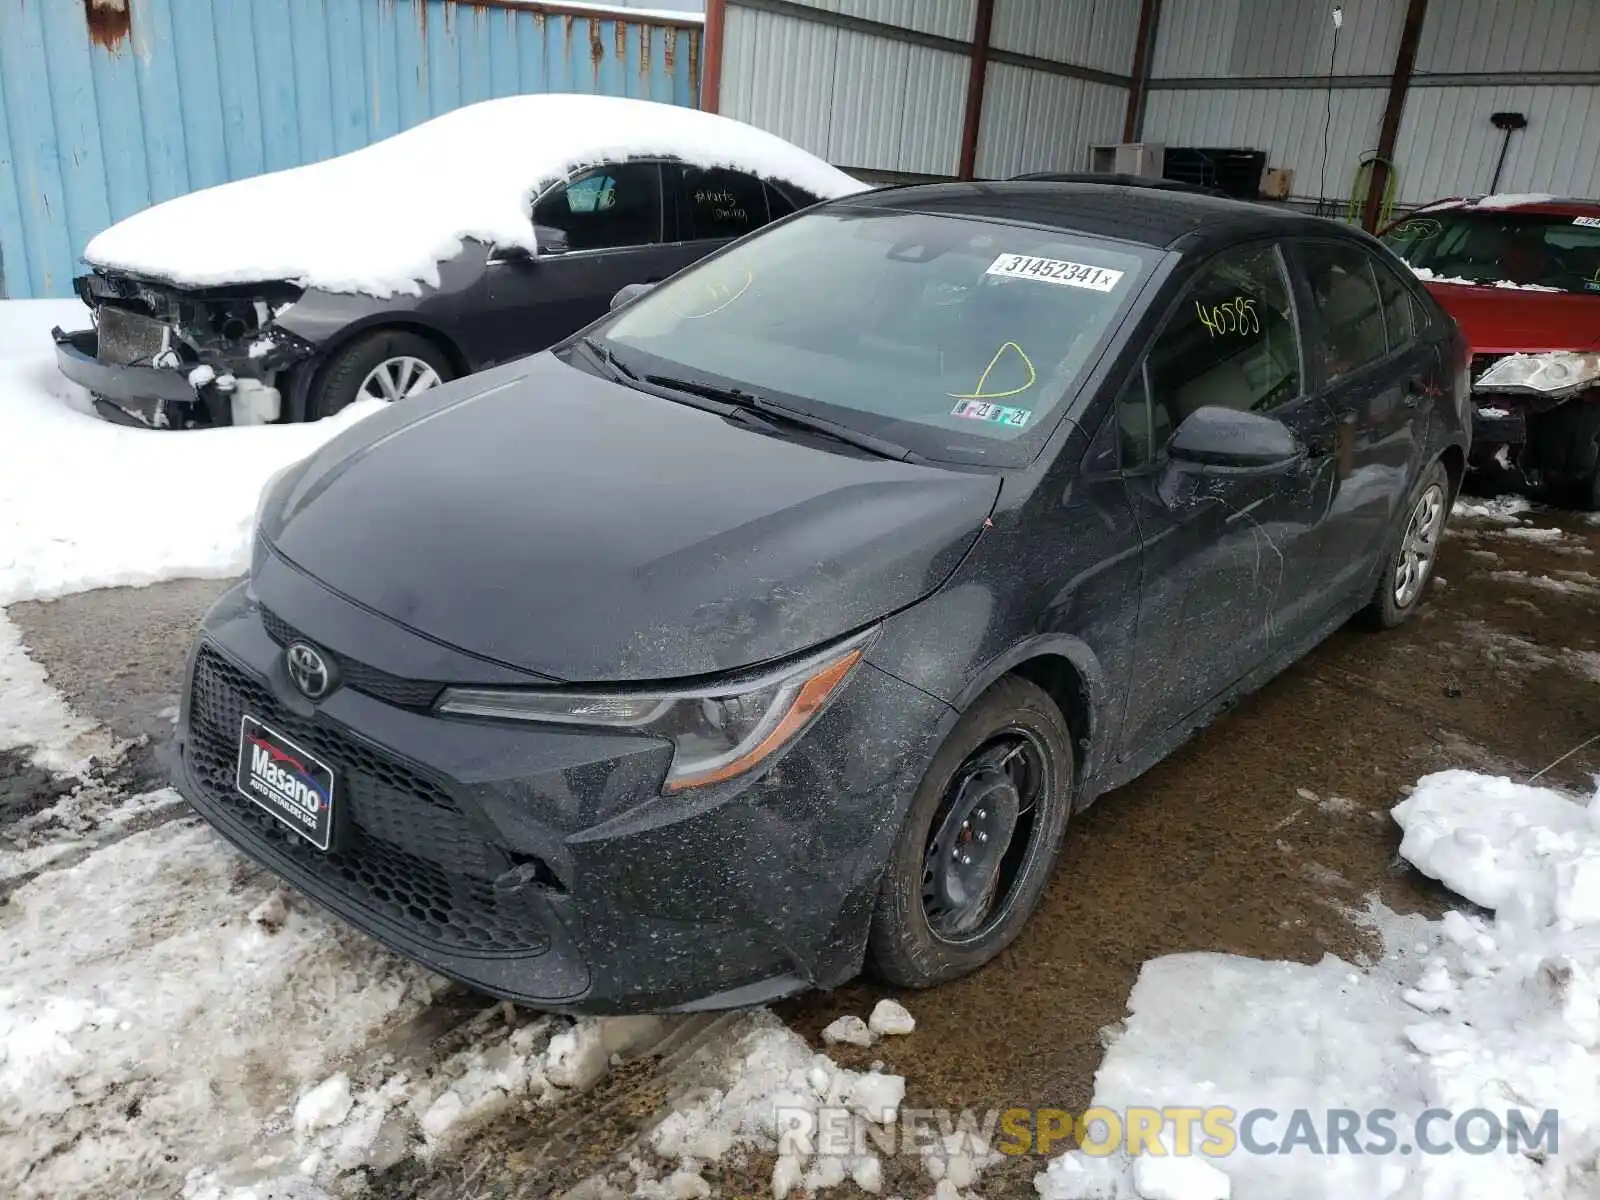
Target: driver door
(604, 228)
(1225, 552)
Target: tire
(353, 370)
(904, 947)
(1429, 502)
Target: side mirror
(629, 293)
(1233, 440)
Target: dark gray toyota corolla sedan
(776, 624)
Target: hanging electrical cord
(1327, 123)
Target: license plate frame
(287, 781)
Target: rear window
(1498, 246)
(953, 337)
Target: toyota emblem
(309, 671)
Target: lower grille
(411, 855)
(126, 338)
(417, 694)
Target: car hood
(550, 520)
(1515, 321)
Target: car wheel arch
(300, 399)
(1069, 672)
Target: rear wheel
(387, 364)
(1409, 567)
(979, 841)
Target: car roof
(1154, 217)
(1538, 205)
(1118, 180)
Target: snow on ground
(324, 226)
(34, 714)
(145, 1018)
(1566, 583)
(776, 1097)
(1496, 1012)
(85, 503)
(171, 1022)
(1505, 510)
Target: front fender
(925, 647)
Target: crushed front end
(1527, 409)
(167, 357)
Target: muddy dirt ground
(1260, 837)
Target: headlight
(717, 732)
(1547, 374)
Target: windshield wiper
(752, 409)
(610, 360)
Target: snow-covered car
(1521, 276)
(475, 238)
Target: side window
(1346, 296)
(1232, 342)
(1399, 314)
(1143, 427)
(720, 204)
(778, 204)
(608, 208)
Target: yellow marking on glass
(719, 292)
(980, 394)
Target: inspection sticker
(1000, 414)
(1055, 270)
(1591, 222)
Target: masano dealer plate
(285, 780)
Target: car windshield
(952, 337)
(1481, 246)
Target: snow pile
(86, 504)
(1499, 1013)
(1503, 510)
(1513, 199)
(471, 173)
(144, 1016)
(784, 1097)
(888, 1019)
(1428, 276)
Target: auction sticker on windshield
(284, 779)
(1055, 270)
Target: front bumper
(542, 865)
(142, 393)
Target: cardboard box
(1277, 183)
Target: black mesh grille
(415, 694)
(410, 854)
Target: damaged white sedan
(288, 296)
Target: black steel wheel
(979, 841)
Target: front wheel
(979, 841)
(387, 364)
(1409, 567)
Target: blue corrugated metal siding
(105, 113)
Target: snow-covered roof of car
(379, 220)
(1537, 202)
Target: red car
(1521, 276)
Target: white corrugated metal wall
(1275, 75)
(1537, 57)
(1268, 75)
(1039, 119)
(864, 100)
(880, 86)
